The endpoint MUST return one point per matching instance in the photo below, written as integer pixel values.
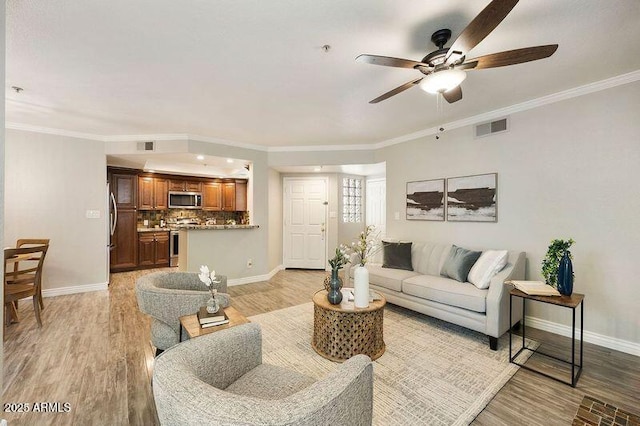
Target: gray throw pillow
(459, 263)
(397, 255)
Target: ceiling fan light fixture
(442, 81)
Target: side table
(342, 331)
(571, 302)
(191, 325)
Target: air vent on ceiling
(491, 127)
(146, 146)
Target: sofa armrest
(498, 296)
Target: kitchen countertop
(214, 227)
(153, 229)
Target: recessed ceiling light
(200, 157)
(229, 160)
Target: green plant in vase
(551, 261)
(333, 285)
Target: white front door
(376, 211)
(305, 211)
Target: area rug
(592, 411)
(432, 372)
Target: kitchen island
(230, 250)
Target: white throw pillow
(490, 263)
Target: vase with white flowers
(364, 247)
(209, 278)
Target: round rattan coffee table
(342, 331)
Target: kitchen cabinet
(153, 249)
(241, 195)
(225, 196)
(124, 187)
(229, 196)
(212, 196)
(152, 193)
(124, 254)
(185, 185)
(124, 250)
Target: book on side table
(210, 320)
(534, 288)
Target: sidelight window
(351, 200)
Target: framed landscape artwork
(425, 200)
(472, 198)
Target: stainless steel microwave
(185, 200)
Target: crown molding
(312, 148)
(487, 116)
(51, 131)
(523, 106)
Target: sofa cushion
(447, 291)
(459, 263)
(490, 263)
(397, 255)
(387, 277)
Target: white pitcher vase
(361, 287)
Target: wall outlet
(93, 214)
(249, 263)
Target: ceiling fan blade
(512, 57)
(396, 91)
(388, 61)
(453, 95)
(481, 26)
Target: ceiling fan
(445, 68)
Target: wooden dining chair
(31, 242)
(24, 281)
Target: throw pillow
(490, 263)
(459, 263)
(397, 255)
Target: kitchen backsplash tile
(172, 216)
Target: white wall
(50, 183)
(275, 220)
(569, 169)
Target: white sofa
(424, 290)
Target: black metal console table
(572, 302)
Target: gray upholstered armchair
(219, 379)
(166, 296)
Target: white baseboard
(60, 291)
(589, 336)
(255, 278)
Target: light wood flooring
(93, 352)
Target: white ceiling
(254, 71)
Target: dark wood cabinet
(192, 186)
(241, 195)
(185, 185)
(124, 188)
(152, 193)
(225, 196)
(229, 196)
(124, 250)
(161, 193)
(124, 254)
(153, 249)
(212, 196)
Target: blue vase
(335, 295)
(565, 275)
